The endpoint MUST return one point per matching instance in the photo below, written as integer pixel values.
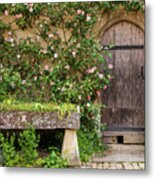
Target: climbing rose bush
(65, 67)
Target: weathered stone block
(46, 120)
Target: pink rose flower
(74, 53)
(105, 87)
(18, 16)
(31, 10)
(88, 18)
(78, 11)
(50, 35)
(88, 104)
(67, 67)
(18, 56)
(89, 98)
(55, 55)
(78, 45)
(35, 78)
(44, 51)
(11, 40)
(23, 81)
(91, 70)
(101, 76)
(80, 97)
(98, 93)
(46, 67)
(6, 13)
(9, 33)
(110, 66)
(83, 13)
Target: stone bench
(44, 121)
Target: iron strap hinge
(123, 47)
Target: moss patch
(13, 105)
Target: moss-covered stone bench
(45, 117)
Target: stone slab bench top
(44, 120)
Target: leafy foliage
(89, 137)
(9, 156)
(28, 142)
(27, 156)
(54, 160)
(66, 69)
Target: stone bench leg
(70, 149)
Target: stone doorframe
(107, 20)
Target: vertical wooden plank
(109, 37)
(111, 117)
(119, 82)
(139, 118)
(126, 118)
(123, 34)
(137, 81)
(137, 35)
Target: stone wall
(106, 20)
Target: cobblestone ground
(115, 165)
(125, 157)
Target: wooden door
(124, 98)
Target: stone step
(123, 137)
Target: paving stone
(119, 166)
(121, 153)
(113, 166)
(129, 157)
(105, 165)
(99, 166)
(127, 166)
(142, 165)
(135, 166)
(94, 165)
